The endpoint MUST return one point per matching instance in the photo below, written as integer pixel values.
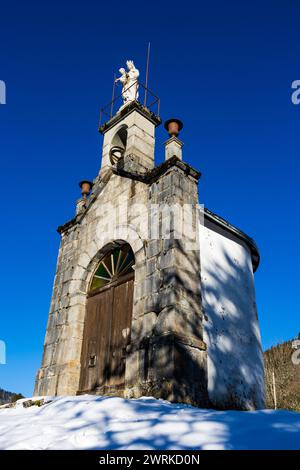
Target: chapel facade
(153, 294)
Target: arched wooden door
(108, 323)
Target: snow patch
(91, 422)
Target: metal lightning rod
(113, 97)
(147, 75)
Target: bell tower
(129, 139)
(129, 133)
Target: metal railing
(143, 96)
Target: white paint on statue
(129, 82)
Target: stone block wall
(154, 210)
(167, 316)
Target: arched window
(114, 264)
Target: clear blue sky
(224, 68)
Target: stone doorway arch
(108, 319)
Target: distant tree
(16, 396)
(9, 397)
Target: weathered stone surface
(167, 356)
(160, 306)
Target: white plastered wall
(231, 330)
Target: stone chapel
(153, 294)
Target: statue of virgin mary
(130, 84)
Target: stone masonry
(184, 291)
(167, 356)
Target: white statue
(130, 84)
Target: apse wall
(231, 330)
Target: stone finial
(173, 145)
(86, 187)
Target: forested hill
(8, 397)
(283, 363)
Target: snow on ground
(90, 422)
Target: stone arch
(120, 135)
(126, 316)
(87, 263)
(118, 143)
(109, 247)
(89, 259)
(92, 258)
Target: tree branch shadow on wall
(235, 379)
(232, 333)
(235, 360)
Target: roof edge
(255, 256)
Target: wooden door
(106, 334)
(120, 332)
